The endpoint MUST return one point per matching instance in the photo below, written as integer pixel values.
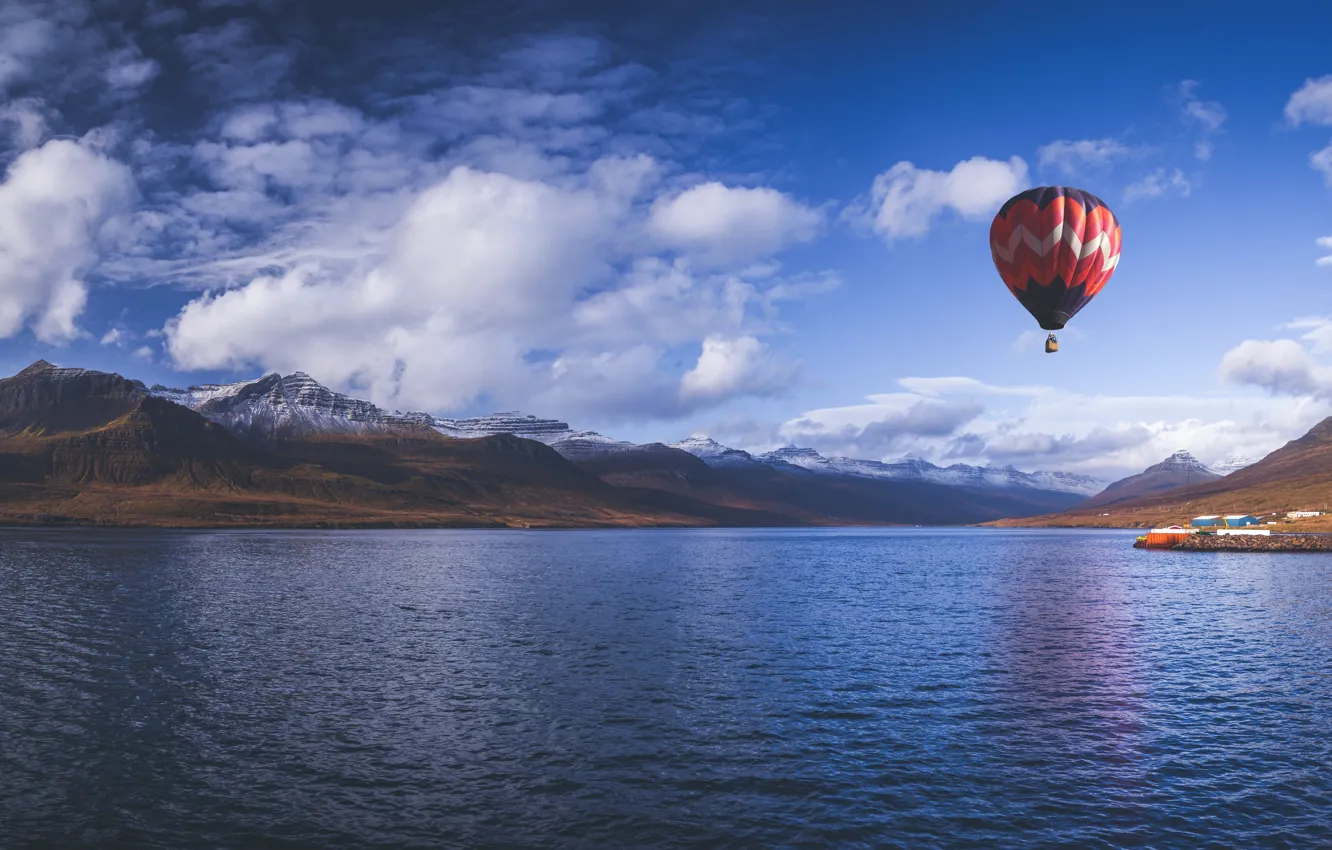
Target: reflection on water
(702, 688)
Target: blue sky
(764, 221)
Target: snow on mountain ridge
(275, 404)
(522, 425)
(917, 469)
(714, 453)
(580, 445)
(1234, 463)
(297, 403)
(1183, 460)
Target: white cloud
(483, 272)
(482, 230)
(1160, 182)
(293, 119)
(312, 180)
(249, 124)
(474, 259)
(956, 385)
(127, 70)
(55, 205)
(891, 424)
(666, 302)
(360, 249)
(472, 108)
(1321, 161)
(26, 35)
(803, 285)
(732, 366)
(1318, 332)
(1205, 116)
(905, 199)
(26, 120)
(1287, 370)
(610, 384)
(1324, 242)
(958, 419)
(1311, 103)
(1071, 156)
(233, 61)
(1282, 367)
(729, 224)
(68, 47)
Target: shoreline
(79, 524)
(10, 524)
(1281, 542)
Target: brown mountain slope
(1178, 470)
(811, 498)
(79, 446)
(504, 476)
(70, 427)
(46, 399)
(1297, 476)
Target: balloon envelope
(1055, 247)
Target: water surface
(793, 688)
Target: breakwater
(1255, 543)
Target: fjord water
(910, 687)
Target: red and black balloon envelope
(1055, 247)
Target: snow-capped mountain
(714, 453)
(521, 425)
(275, 405)
(1181, 469)
(918, 469)
(1234, 463)
(581, 445)
(297, 404)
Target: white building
(1298, 514)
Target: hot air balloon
(1055, 247)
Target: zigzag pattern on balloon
(1063, 241)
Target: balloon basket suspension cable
(1051, 344)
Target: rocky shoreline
(1255, 543)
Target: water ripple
(905, 688)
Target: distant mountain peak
(699, 439)
(1181, 460)
(711, 452)
(790, 450)
(1234, 463)
(46, 369)
(297, 403)
(1181, 469)
(37, 368)
(277, 404)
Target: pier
(1222, 542)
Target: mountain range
(1295, 477)
(1181, 469)
(83, 446)
(294, 405)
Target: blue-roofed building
(1227, 521)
